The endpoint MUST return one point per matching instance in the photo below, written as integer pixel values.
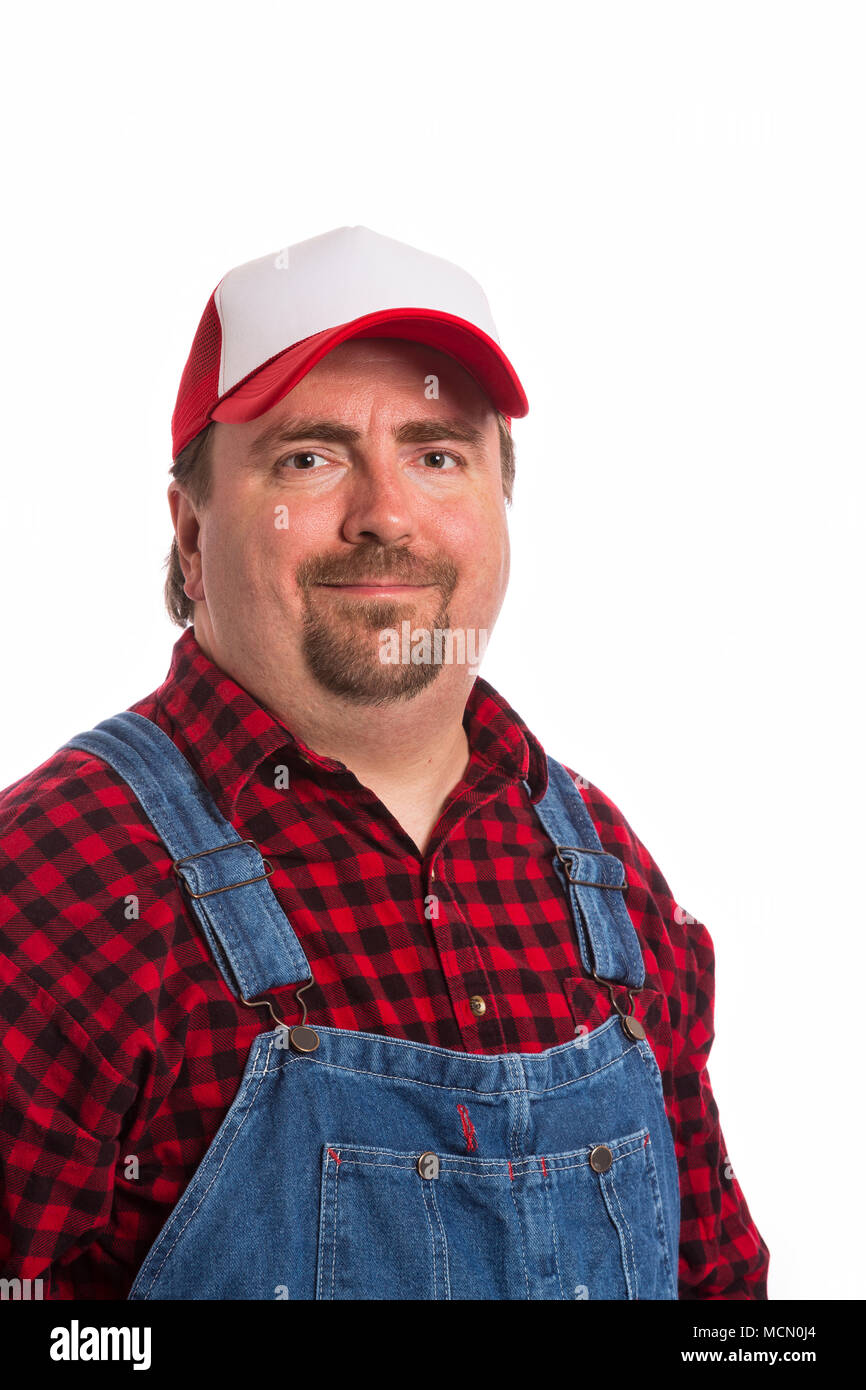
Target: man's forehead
(444, 388)
(295, 417)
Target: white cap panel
(271, 303)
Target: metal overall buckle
(585, 882)
(232, 844)
(632, 1026)
(302, 1038)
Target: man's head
(398, 469)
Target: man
(321, 979)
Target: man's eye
(438, 454)
(304, 463)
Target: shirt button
(477, 1005)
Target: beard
(341, 640)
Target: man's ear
(186, 530)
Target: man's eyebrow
(410, 432)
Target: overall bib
(357, 1166)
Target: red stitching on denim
(543, 1168)
(335, 1157)
(510, 1170)
(646, 1141)
(468, 1128)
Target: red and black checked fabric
(122, 1048)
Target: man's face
(359, 501)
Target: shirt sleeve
(722, 1254)
(61, 1109)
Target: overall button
(428, 1165)
(477, 1005)
(601, 1158)
(633, 1026)
(304, 1039)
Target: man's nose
(380, 504)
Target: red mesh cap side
(199, 385)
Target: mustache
(369, 563)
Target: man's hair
(192, 470)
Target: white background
(665, 205)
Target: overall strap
(227, 885)
(594, 881)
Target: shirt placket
(466, 979)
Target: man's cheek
(275, 561)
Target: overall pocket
(612, 1221)
(381, 1234)
(583, 1224)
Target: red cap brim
(470, 346)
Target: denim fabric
(378, 1168)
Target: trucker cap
(269, 321)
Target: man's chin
(372, 683)
(359, 652)
(349, 664)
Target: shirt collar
(225, 733)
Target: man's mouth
(377, 587)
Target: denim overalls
(354, 1165)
